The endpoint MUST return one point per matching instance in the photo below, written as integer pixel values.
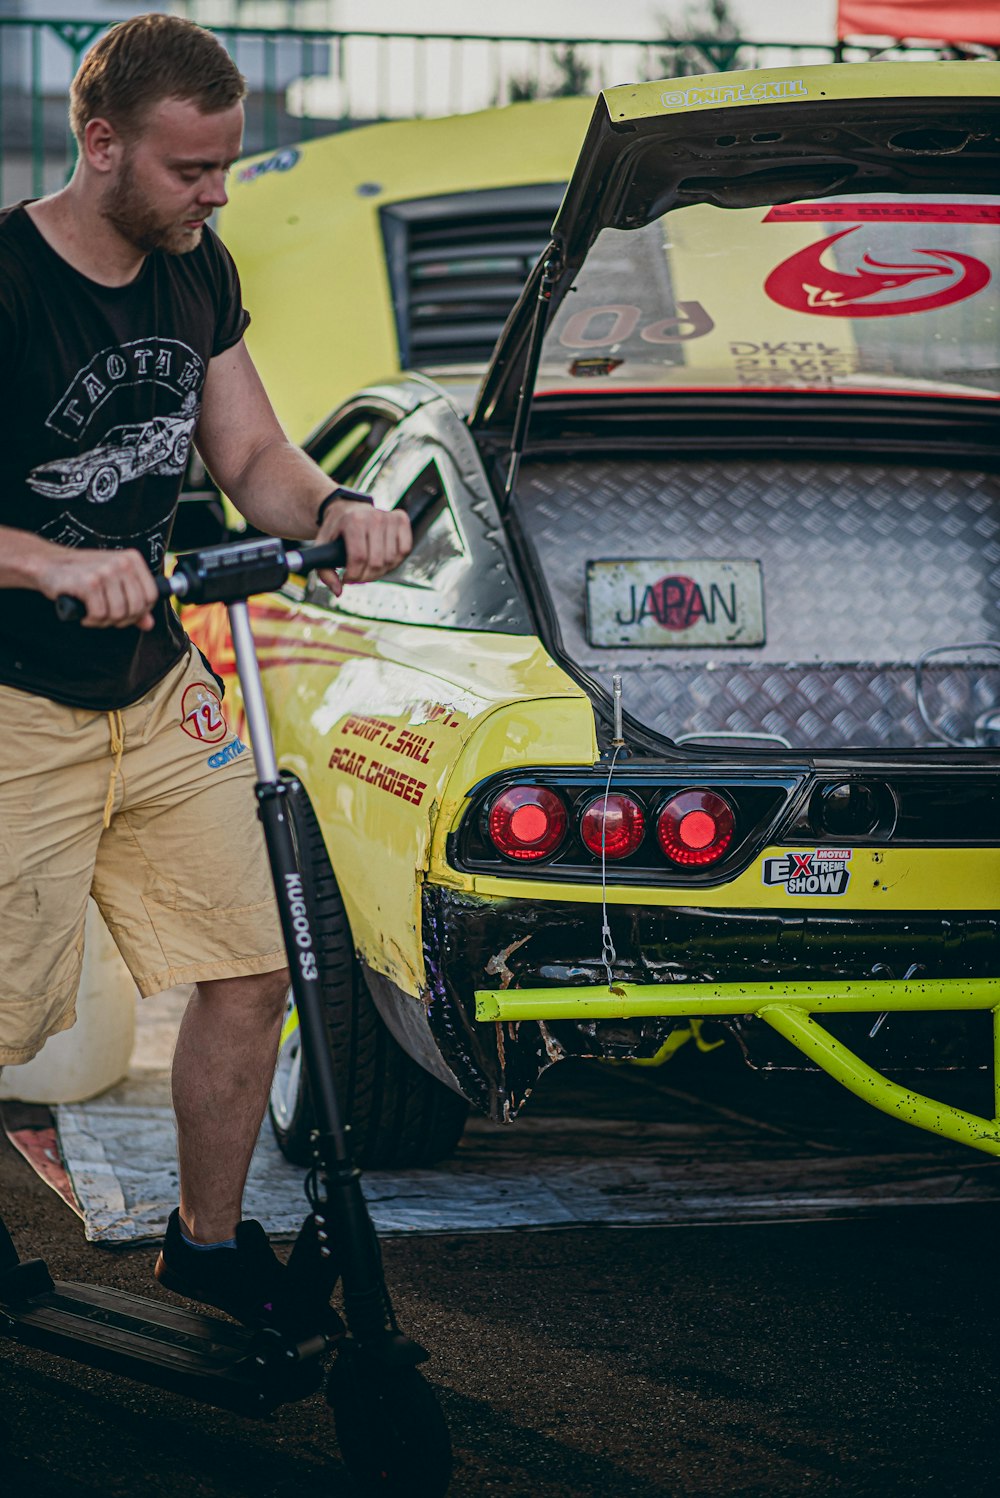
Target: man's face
(171, 177)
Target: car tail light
(622, 825)
(695, 828)
(527, 821)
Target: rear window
(871, 293)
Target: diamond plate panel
(865, 567)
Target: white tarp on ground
(549, 1172)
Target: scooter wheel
(392, 1433)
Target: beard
(129, 210)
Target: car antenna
(609, 956)
(618, 742)
(551, 266)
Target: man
(121, 331)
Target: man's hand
(376, 541)
(116, 587)
(276, 485)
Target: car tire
(104, 485)
(400, 1116)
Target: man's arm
(116, 587)
(275, 484)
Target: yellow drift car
(683, 714)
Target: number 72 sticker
(201, 714)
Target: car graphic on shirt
(160, 445)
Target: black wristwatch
(324, 504)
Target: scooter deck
(214, 1361)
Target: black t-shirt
(100, 389)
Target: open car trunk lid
(814, 257)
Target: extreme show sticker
(819, 871)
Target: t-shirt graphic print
(92, 482)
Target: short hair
(140, 62)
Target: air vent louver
(457, 266)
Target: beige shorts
(152, 811)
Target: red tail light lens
(623, 825)
(527, 821)
(695, 828)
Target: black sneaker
(248, 1282)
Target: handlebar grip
(320, 558)
(70, 610)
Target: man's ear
(102, 146)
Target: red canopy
(928, 20)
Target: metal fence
(311, 82)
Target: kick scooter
(391, 1431)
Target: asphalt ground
(854, 1355)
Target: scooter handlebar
(222, 573)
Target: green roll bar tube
(789, 1008)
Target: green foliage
(523, 88)
(572, 79)
(706, 39)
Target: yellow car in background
(393, 247)
(682, 717)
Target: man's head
(156, 108)
(141, 62)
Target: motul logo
(809, 282)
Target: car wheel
(104, 485)
(399, 1114)
(179, 451)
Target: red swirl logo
(805, 283)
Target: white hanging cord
(608, 953)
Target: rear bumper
(514, 985)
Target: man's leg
(223, 1064)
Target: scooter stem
(293, 911)
(248, 671)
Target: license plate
(694, 601)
